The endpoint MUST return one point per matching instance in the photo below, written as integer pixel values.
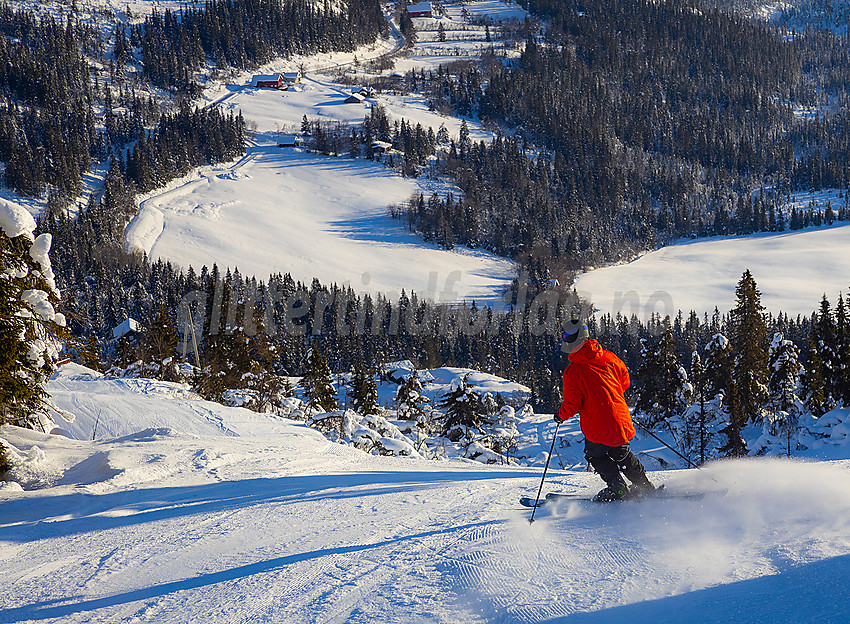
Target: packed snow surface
(185, 511)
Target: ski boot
(642, 488)
(612, 493)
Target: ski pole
(645, 430)
(545, 468)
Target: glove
(558, 419)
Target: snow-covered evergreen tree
(700, 428)
(823, 363)
(783, 384)
(317, 382)
(411, 403)
(29, 323)
(842, 340)
(463, 410)
(364, 392)
(662, 382)
(159, 342)
(784, 369)
(718, 366)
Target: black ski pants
(609, 461)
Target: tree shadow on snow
(28, 519)
(814, 592)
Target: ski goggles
(573, 334)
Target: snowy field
(283, 210)
(494, 9)
(187, 511)
(320, 97)
(793, 271)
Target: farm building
(289, 140)
(380, 147)
(130, 327)
(292, 77)
(422, 9)
(355, 98)
(273, 81)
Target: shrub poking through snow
(371, 433)
(29, 323)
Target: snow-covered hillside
(282, 210)
(308, 215)
(793, 271)
(185, 511)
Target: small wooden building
(380, 147)
(273, 81)
(129, 328)
(422, 9)
(289, 140)
(292, 77)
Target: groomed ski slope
(254, 519)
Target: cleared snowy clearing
(319, 97)
(311, 216)
(792, 269)
(224, 515)
(493, 9)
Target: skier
(594, 383)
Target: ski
(659, 494)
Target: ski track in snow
(246, 518)
(372, 541)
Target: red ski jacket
(594, 383)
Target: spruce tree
(748, 332)
(822, 363)
(718, 367)
(663, 383)
(317, 382)
(29, 324)
(748, 329)
(463, 410)
(364, 391)
(159, 342)
(784, 368)
(842, 342)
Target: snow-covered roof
(289, 139)
(128, 326)
(265, 78)
(420, 7)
